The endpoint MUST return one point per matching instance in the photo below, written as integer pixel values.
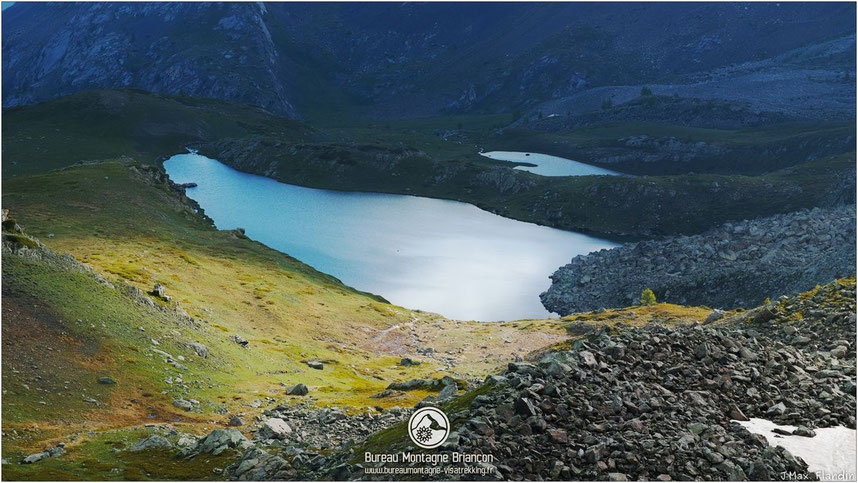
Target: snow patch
(831, 454)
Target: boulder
(151, 442)
(183, 404)
(186, 441)
(448, 392)
(716, 315)
(274, 428)
(297, 390)
(35, 457)
(220, 440)
(160, 291)
(200, 349)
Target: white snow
(831, 454)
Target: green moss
(464, 401)
(20, 239)
(105, 457)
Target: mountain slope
(235, 324)
(393, 61)
(130, 123)
(206, 50)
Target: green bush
(647, 297)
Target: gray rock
(274, 428)
(151, 442)
(804, 431)
(186, 441)
(33, 458)
(588, 358)
(732, 470)
(839, 351)
(160, 291)
(298, 390)
(219, 440)
(200, 349)
(524, 407)
(183, 404)
(777, 409)
(716, 315)
(448, 392)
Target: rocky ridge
(408, 60)
(733, 265)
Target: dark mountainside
(412, 60)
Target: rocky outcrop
(50, 453)
(734, 265)
(105, 48)
(658, 403)
(294, 443)
(217, 442)
(17, 242)
(151, 442)
(305, 428)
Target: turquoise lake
(549, 165)
(421, 253)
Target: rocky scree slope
(657, 403)
(734, 265)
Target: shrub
(647, 297)
(646, 92)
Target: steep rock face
(734, 265)
(401, 60)
(203, 50)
